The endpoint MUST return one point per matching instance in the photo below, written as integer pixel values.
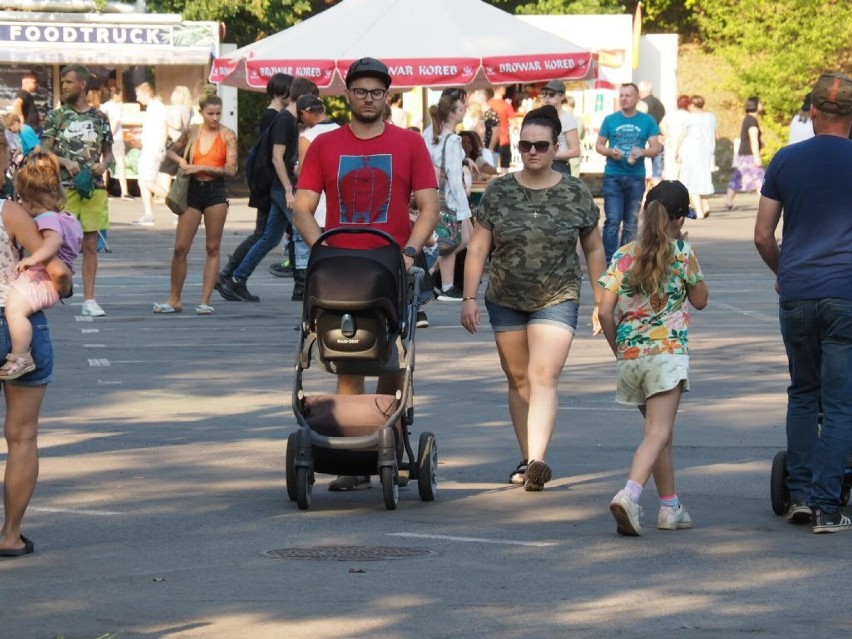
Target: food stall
(124, 48)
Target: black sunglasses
(541, 146)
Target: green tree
(658, 16)
(776, 50)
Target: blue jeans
(622, 199)
(279, 215)
(818, 339)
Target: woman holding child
(24, 395)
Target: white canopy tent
(432, 43)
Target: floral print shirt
(655, 324)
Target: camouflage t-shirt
(78, 136)
(534, 263)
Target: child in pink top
(44, 276)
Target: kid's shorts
(640, 378)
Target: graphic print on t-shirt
(626, 136)
(364, 187)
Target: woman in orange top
(213, 156)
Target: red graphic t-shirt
(368, 182)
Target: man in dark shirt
(285, 152)
(24, 104)
(809, 184)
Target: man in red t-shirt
(368, 170)
(505, 112)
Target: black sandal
(518, 476)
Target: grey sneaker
(537, 475)
(670, 519)
(627, 513)
(281, 269)
(798, 513)
(830, 522)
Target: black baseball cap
(368, 68)
(309, 102)
(674, 196)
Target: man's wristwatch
(410, 251)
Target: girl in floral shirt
(649, 282)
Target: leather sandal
(16, 366)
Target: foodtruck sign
(85, 34)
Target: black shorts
(203, 195)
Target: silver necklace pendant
(535, 207)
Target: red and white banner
(417, 72)
(320, 72)
(222, 68)
(537, 68)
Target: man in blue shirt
(809, 183)
(622, 138)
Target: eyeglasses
(376, 94)
(524, 146)
(547, 93)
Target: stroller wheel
(427, 467)
(779, 494)
(390, 487)
(290, 466)
(304, 487)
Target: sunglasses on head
(541, 146)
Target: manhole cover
(349, 553)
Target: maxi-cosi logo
(84, 34)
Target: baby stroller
(779, 493)
(359, 315)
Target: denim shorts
(203, 195)
(640, 378)
(41, 348)
(563, 315)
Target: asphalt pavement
(161, 508)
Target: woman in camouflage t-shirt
(529, 223)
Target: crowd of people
(527, 230)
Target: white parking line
(76, 511)
(476, 540)
(98, 362)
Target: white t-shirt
(153, 136)
(569, 122)
(801, 131)
(310, 135)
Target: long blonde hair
(654, 252)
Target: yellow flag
(637, 34)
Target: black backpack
(259, 170)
